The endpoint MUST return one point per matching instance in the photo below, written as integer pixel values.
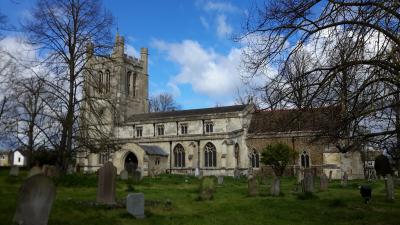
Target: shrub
(277, 156)
(382, 165)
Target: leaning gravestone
(36, 197)
(323, 182)
(308, 182)
(220, 180)
(276, 187)
(124, 175)
(135, 205)
(106, 184)
(252, 186)
(389, 186)
(14, 171)
(34, 171)
(137, 176)
(345, 178)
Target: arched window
(101, 82)
(305, 160)
(210, 155)
(134, 84)
(108, 81)
(255, 159)
(179, 156)
(237, 154)
(128, 82)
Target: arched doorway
(131, 162)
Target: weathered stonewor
(124, 175)
(344, 180)
(34, 171)
(323, 182)
(308, 182)
(220, 180)
(276, 187)
(236, 174)
(50, 171)
(14, 171)
(135, 205)
(252, 186)
(389, 186)
(36, 197)
(106, 184)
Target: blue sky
(192, 55)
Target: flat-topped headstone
(106, 184)
(252, 186)
(308, 182)
(14, 171)
(35, 171)
(344, 180)
(323, 182)
(135, 205)
(220, 180)
(36, 197)
(276, 187)
(124, 175)
(389, 186)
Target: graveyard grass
(76, 194)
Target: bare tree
(62, 30)
(163, 102)
(347, 40)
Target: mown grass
(231, 205)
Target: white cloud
(131, 51)
(223, 28)
(204, 22)
(209, 73)
(218, 6)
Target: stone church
(207, 141)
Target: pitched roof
(185, 113)
(153, 150)
(289, 120)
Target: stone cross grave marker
(323, 182)
(34, 171)
(106, 184)
(36, 197)
(124, 175)
(14, 171)
(389, 186)
(135, 205)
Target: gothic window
(101, 80)
(139, 131)
(255, 159)
(210, 155)
(305, 160)
(184, 128)
(209, 127)
(108, 81)
(237, 154)
(157, 162)
(160, 130)
(134, 85)
(179, 156)
(128, 83)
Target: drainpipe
(170, 157)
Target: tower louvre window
(101, 82)
(108, 81)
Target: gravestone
(34, 171)
(345, 178)
(389, 186)
(300, 176)
(135, 205)
(106, 184)
(50, 171)
(236, 174)
(124, 175)
(330, 175)
(252, 186)
(137, 176)
(220, 180)
(36, 197)
(14, 171)
(276, 187)
(323, 182)
(308, 182)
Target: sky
(191, 51)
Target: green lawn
(75, 196)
